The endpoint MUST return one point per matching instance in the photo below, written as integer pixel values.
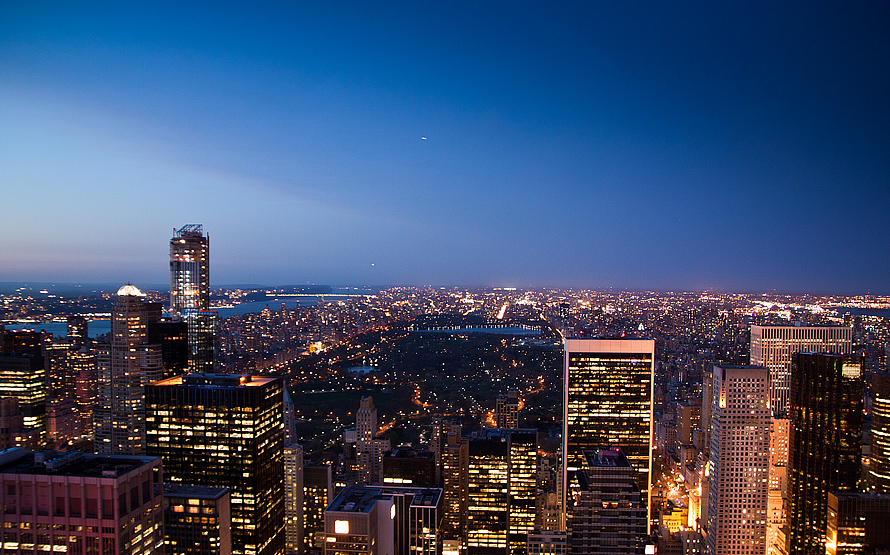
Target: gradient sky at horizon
(630, 145)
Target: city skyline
(653, 147)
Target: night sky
(661, 145)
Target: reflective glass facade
(190, 293)
(825, 444)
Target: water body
(273, 304)
(512, 330)
(879, 312)
(362, 369)
(60, 329)
(101, 327)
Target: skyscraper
(608, 515)
(879, 469)
(318, 491)
(608, 403)
(774, 347)
(506, 412)
(825, 447)
(501, 470)
(22, 376)
(197, 520)
(23, 371)
(293, 497)
(369, 448)
(739, 456)
(133, 363)
(226, 431)
(189, 269)
(190, 293)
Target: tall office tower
(441, 428)
(225, 430)
(608, 514)
(78, 330)
(12, 426)
(86, 393)
(190, 293)
(825, 447)
(488, 499)
(318, 492)
(189, 269)
(523, 490)
(23, 376)
(507, 410)
(774, 346)
(293, 497)
(737, 494)
(455, 465)
(197, 520)
(777, 483)
(501, 470)
(133, 363)
(366, 421)
(879, 468)
(857, 523)
(30, 342)
(406, 466)
(369, 448)
(80, 503)
(608, 400)
(172, 336)
(290, 419)
(384, 520)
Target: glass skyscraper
(825, 446)
(608, 403)
(190, 293)
(226, 430)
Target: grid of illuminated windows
(225, 431)
(487, 495)
(523, 487)
(739, 459)
(609, 403)
(22, 377)
(774, 346)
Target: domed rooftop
(130, 291)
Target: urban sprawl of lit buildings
(444, 421)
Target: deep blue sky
(587, 144)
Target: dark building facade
(172, 336)
(608, 514)
(825, 442)
(409, 467)
(197, 520)
(23, 376)
(225, 431)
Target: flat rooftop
(187, 491)
(360, 499)
(216, 380)
(21, 461)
